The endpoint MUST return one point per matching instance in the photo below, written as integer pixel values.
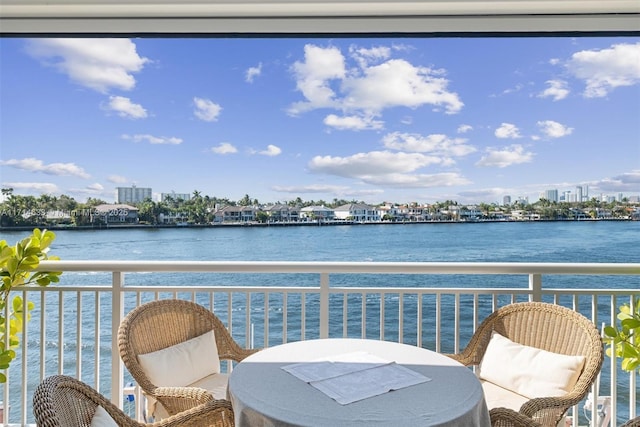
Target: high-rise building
(551, 195)
(506, 200)
(578, 194)
(132, 194)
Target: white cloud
(38, 187)
(512, 155)
(356, 123)
(314, 188)
(436, 144)
(117, 179)
(100, 64)
(224, 148)
(363, 165)
(271, 151)
(626, 182)
(324, 82)
(365, 56)
(35, 165)
(253, 72)
(397, 83)
(206, 109)
(321, 65)
(557, 90)
(97, 187)
(464, 128)
(163, 140)
(337, 190)
(125, 108)
(401, 180)
(508, 130)
(553, 129)
(604, 70)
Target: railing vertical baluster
(324, 305)
(456, 324)
(79, 335)
(43, 342)
(24, 342)
(285, 309)
(96, 340)
(535, 285)
(401, 296)
(438, 316)
(382, 315)
(60, 332)
(363, 320)
(303, 315)
(117, 315)
(266, 319)
(613, 365)
(419, 319)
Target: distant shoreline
(286, 224)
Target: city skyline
(389, 119)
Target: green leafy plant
(17, 265)
(624, 342)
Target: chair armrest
(238, 354)
(215, 413)
(503, 417)
(178, 399)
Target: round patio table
(264, 394)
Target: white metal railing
(433, 305)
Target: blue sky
(388, 119)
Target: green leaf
(610, 331)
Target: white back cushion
(182, 364)
(529, 371)
(102, 419)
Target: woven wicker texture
(63, 401)
(160, 324)
(634, 422)
(549, 327)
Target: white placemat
(351, 377)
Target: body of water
(562, 241)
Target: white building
(359, 212)
(132, 194)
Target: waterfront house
(320, 213)
(358, 212)
(115, 214)
(282, 213)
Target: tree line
(19, 210)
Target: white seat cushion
(101, 418)
(528, 371)
(499, 397)
(215, 383)
(182, 364)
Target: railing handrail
(344, 267)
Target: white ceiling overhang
(316, 17)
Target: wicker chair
(548, 327)
(634, 422)
(63, 401)
(161, 324)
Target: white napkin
(350, 377)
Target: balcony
(74, 325)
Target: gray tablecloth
(263, 394)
